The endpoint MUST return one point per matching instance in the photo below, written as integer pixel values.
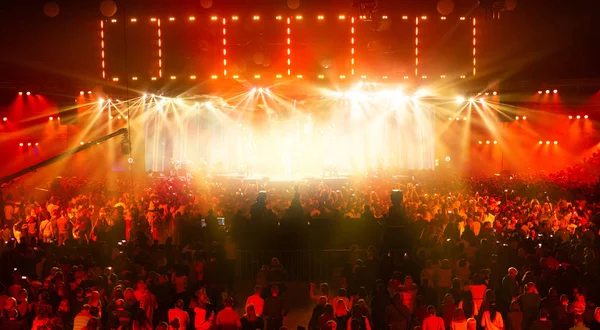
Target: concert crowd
(451, 253)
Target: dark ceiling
(538, 43)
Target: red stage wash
(224, 47)
(102, 54)
(474, 46)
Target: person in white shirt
(256, 300)
(432, 321)
(202, 321)
(179, 313)
(46, 231)
(492, 319)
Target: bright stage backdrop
(361, 133)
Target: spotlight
(495, 93)
(464, 118)
(471, 100)
(37, 144)
(481, 99)
(547, 142)
(487, 93)
(50, 118)
(450, 118)
(578, 117)
(20, 93)
(487, 142)
(253, 90)
(555, 91)
(260, 90)
(480, 142)
(555, 142)
(495, 142)
(457, 118)
(524, 118)
(586, 116)
(111, 117)
(144, 96)
(540, 92)
(540, 142)
(28, 93)
(101, 100)
(89, 92)
(81, 93)
(570, 117)
(547, 91)
(29, 144)
(21, 144)
(460, 99)
(517, 118)
(119, 117)
(4, 119)
(81, 143)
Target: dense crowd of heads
(517, 252)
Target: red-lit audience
(489, 254)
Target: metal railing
(300, 265)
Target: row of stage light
(496, 142)
(29, 144)
(224, 49)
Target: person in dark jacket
(313, 324)
(509, 285)
(276, 275)
(397, 315)
(543, 323)
(274, 310)
(530, 304)
(251, 321)
(12, 322)
(380, 301)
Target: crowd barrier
(300, 265)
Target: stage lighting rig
(493, 8)
(365, 8)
